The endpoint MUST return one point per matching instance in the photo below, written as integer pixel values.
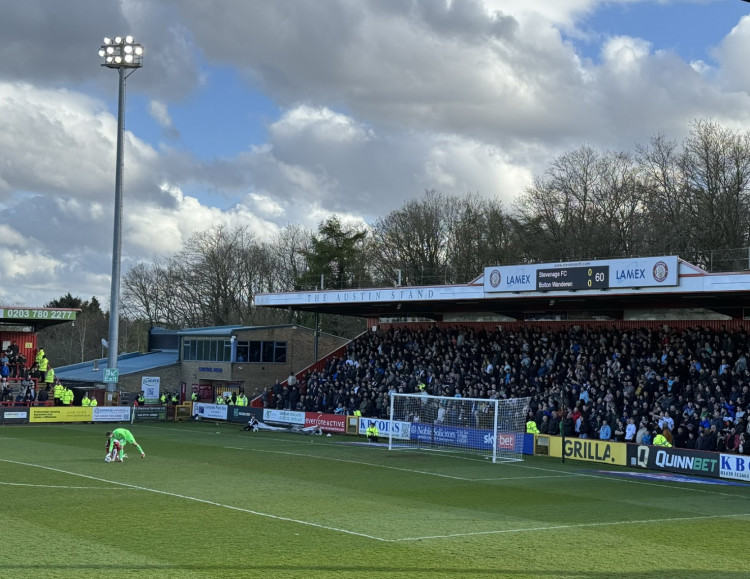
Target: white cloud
(380, 101)
(319, 124)
(624, 54)
(733, 56)
(160, 113)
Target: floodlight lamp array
(121, 52)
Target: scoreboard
(607, 274)
(572, 278)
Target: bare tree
(666, 197)
(698, 196)
(480, 235)
(288, 249)
(414, 240)
(588, 204)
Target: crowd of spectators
(691, 386)
(22, 383)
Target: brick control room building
(226, 358)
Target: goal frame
(506, 430)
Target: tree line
(688, 198)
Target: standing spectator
(605, 432)
(49, 377)
(43, 394)
(34, 372)
(4, 373)
(630, 431)
(43, 367)
(67, 397)
(619, 434)
(57, 393)
(680, 437)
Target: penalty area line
(569, 527)
(202, 501)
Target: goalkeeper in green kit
(117, 439)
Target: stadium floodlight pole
(123, 54)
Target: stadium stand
(690, 383)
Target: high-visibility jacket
(58, 391)
(43, 365)
(661, 440)
(67, 397)
(49, 377)
(94, 402)
(372, 431)
(242, 400)
(531, 427)
(357, 413)
(220, 400)
(194, 397)
(39, 356)
(86, 401)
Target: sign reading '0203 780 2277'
(22, 314)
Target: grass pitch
(212, 501)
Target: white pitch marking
(203, 501)
(577, 526)
(404, 539)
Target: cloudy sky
(265, 113)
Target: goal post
(487, 427)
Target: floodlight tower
(123, 54)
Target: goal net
(491, 428)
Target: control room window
(261, 352)
(279, 352)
